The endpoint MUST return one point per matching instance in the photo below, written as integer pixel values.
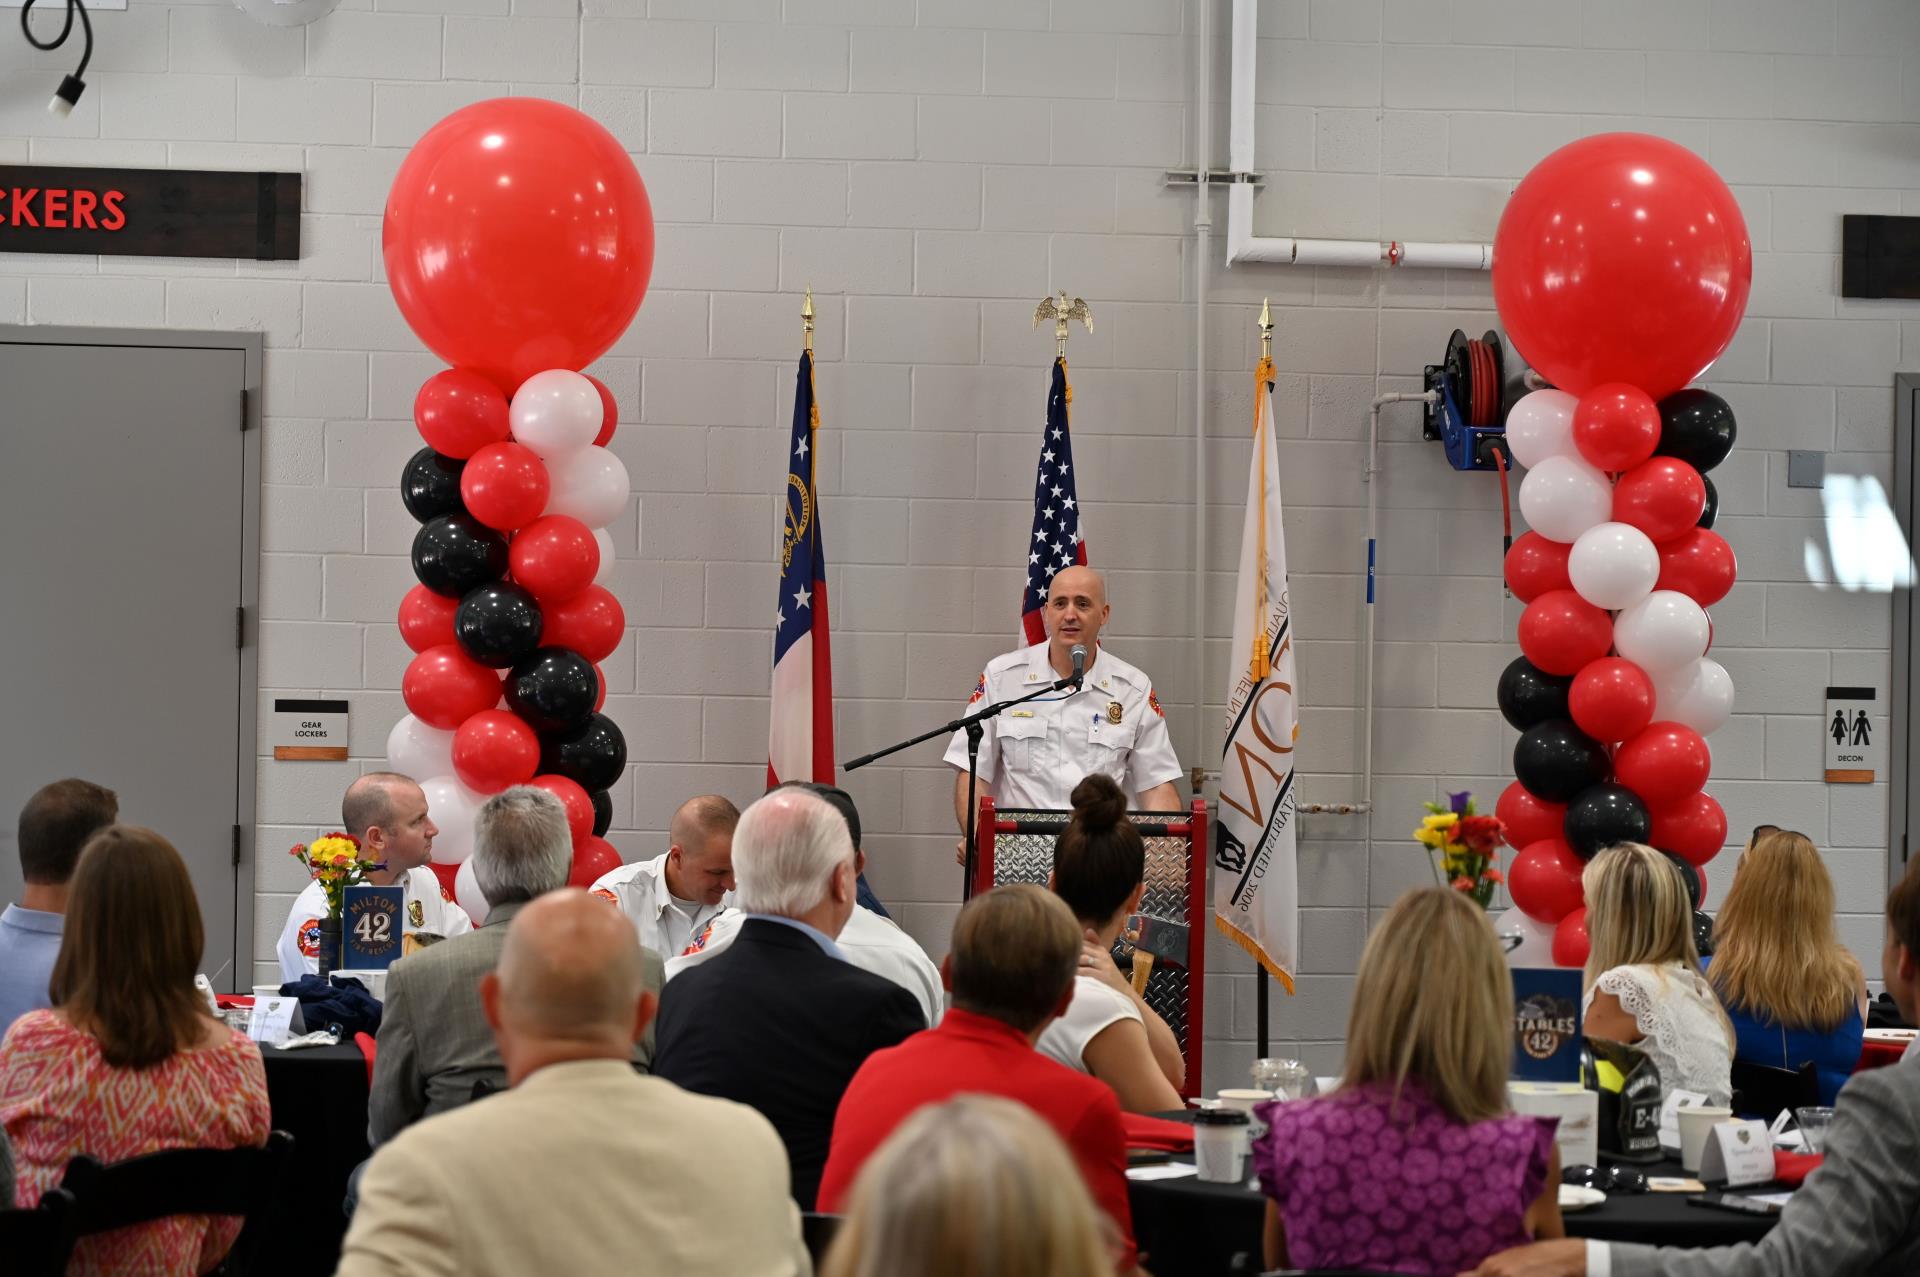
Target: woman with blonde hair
(1794, 995)
(975, 1187)
(1420, 1114)
(1643, 979)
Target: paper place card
(1670, 1117)
(272, 1021)
(1738, 1153)
(1166, 1170)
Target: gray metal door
(128, 530)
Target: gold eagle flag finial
(1060, 310)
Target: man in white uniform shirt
(387, 812)
(673, 897)
(1033, 755)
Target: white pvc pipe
(1203, 262)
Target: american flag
(800, 737)
(1057, 541)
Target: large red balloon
(1561, 632)
(592, 858)
(1663, 497)
(1544, 880)
(1528, 819)
(444, 687)
(1694, 829)
(493, 750)
(1611, 699)
(1664, 764)
(1699, 564)
(460, 412)
(592, 623)
(577, 802)
(555, 557)
(1571, 943)
(518, 237)
(505, 486)
(610, 411)
(1536, 565)
(1616, 426)
(426, 618)
(1622, 257)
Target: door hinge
(240, 627)
(245, 417)
(236, 846)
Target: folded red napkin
(1157, 1133)
(1793, 1168)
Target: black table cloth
(319, 1096)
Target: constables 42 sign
(149, 212)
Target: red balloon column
(1621, 270)
(518, 242)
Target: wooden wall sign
(149, 212)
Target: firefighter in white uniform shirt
(673, 897)
(1034, 754)
(387, 812)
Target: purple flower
(1458, 802)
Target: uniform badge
(307, 936)
(979, 690)
(1113, 711)
(606, 895)
(1153, 702)
(416, 913)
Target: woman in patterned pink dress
(129, 1061)
(1414, 1164)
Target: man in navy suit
(780, 1020)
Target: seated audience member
(969, 1188)
(673, 897)
(585, 1167)
(1856, 1216)
(434, 1040)
(130, 1061)
(781, 1020)
(6, 1170)
(870, 941)
(1643, 979)
(1099, 869)
(1429, 1044)
(387, 812)
(1011, 968)
(54, 825)
(1794, 995)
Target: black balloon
(594, 754)
(430, 485)
(602, 812)
(1695, 887)
(456, 552)
(1529, 695)
(1703, 934)
(1712, 511)
(1697, 427)
(1556, 761)
(1604, 815)
(553, 689)
(497, 624)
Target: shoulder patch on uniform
(1153, 703)
(979, 690)
(605, 895)
(307, 936)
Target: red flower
(1493, 875)
(1462, 884)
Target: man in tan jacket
(584, 1167)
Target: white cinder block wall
(931, 170)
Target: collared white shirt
(640, 890)
(1034, 754)
(430, 911)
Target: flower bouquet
(334, 861)
(1461, 846)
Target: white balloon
(556, 413)
(1663, 633)
(451, 806)
(1541, 426)
(1563, 497)
(1536, 939)
(1699, 695)
(467, 894)
(607, 555)
(415, 749)
(591, 485)
(1613, 565)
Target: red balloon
(1536, 565)
(1611, 699)
(1561, 632)
(1663, 497)
(505, 485)
(600, 698)
(1699, 564)
(1571, 943)
(609, 407)
(1694, 829)
(426, 618)
(460, 412)
(592, 858)
(1528, 819)
(576, 801)
(592, 623)
(493, 750)
(444, 687)
(555, 557)
(1622, 257)
(1616, 426)
(1545, 880)
(1664, 763)
(518, 237)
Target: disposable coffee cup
(1696, 1126)
(1219, 1137)
(1244, 1098)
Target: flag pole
(1260, 1022)
(806, 319)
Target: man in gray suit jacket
(435, 1045)
(1858, 1215)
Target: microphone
(1079, 655)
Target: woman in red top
(130, 1060)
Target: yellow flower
(1429, 838)
(1440, 820)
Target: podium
(1016, 845)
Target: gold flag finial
(806, 319)
(1266, 329)
(1060, 310)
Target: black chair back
(185, 1181)
(36, 1242)
(1760, 1090)
(817, 1230)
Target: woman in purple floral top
(1414, 1164)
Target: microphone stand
(971, 724)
